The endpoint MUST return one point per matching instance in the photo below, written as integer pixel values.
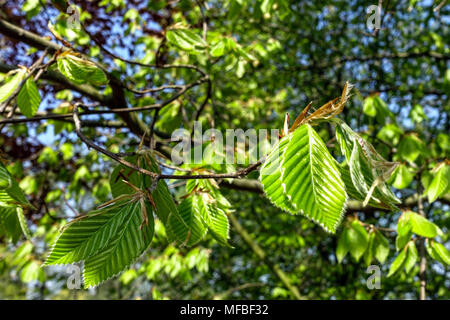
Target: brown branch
(115, 101)
(159, 66)
(252, 185)
(238, 174)
(422, 249)
(109, 154)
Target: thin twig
(238, 174)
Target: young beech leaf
(423, 227)
(12, 222)
(108, 240)
(193, 230)
(31, 272)
(381, 247)
(398, 262)
(132, 240)
(311, 179)
(215, 218)
(411, 257)
(219, 48)
(205, 209)
(5, 178)
(440, 184)
(12, 195)
(270, 177)
(358, 239)
(410, 147)
(186, 39)
(29, 98)
(370, 252)
(367, 170)
(404, 230)
(15, 78)
(343, 245)
(441, 252)
(80, 70)
(402, 177)
(431, 249)
(404, 225)
(402, 240)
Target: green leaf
(12, 222)
(7, 89)
(210, 207)
(186, 39)
(410, 147)
(417, 114)
(404, 230)
(215, 218)
(402, 177)
(397, 263)
(5, 178)
(193, 229)
(22, 254)
(311, 180)
(402, 240)
(29, 98)
(366, 171)
(369, 107)
(128, 276)
(423, 227)
(270, 177)
(81, 71)
(442, 252)
(358, 239)
(374, 106)
(429, 245)
(266, 6)
(12, 195)
(370, 252)
(23, 222)
(443, 140)
(440, 183)
(343, 245)
(86, 236)
(412, 256)
(107, 240)
(219, 49)
(381, 247)
(390, 133)
(31, 272)
(404, 225)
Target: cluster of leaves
(26, 261)
(12, 202)
(28, 97)
(355, 239)
(301, 176)
(215, 45)
(109, 239)
(411, 149)
(274, 87)
(409, 224)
